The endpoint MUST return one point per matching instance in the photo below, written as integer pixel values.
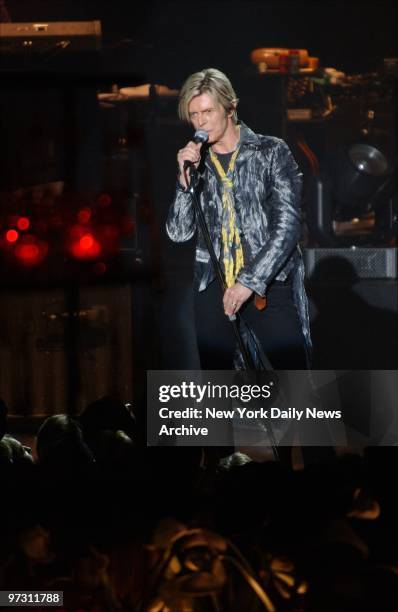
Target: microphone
(200, 136)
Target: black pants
(277, 327)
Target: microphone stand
(234, 319)
(194, 176)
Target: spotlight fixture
(353, 199)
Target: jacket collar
(248, 143)
(247, 136)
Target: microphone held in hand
(200, 136)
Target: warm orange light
(12, 235)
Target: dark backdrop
(168, 40)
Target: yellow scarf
(231, 243)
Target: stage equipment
(353, 199)
(283, 60)
(62, 349)
(31, 38)
(365, 262)
(144, 92)
(359, 172)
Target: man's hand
(234, 297)
(191, 153)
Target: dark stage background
(142, 315)
(169, 40)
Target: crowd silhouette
(115, 525)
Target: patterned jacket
(267, 193)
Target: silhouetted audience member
(306, 534)
(15, 458)
(108, 427)
(114, 452)
(107, 413)
(61, 449)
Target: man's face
(207, 114)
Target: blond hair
(210, 81)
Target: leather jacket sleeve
(181, 220)
(284, 218)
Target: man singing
(250, 196)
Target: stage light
(358, 173)
(104, 200)
(84, 215)
(86, 242)
(83, 244)
(12, 236)
(30, 251)
(27, 253)
(23, 223)
(353, 198)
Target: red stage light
(100, 268)
(104, 200)
(84, 215)
(23, 223)
(86, 242)
(30, 251)
(12, 235)
(84, 246)
(76, 232)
